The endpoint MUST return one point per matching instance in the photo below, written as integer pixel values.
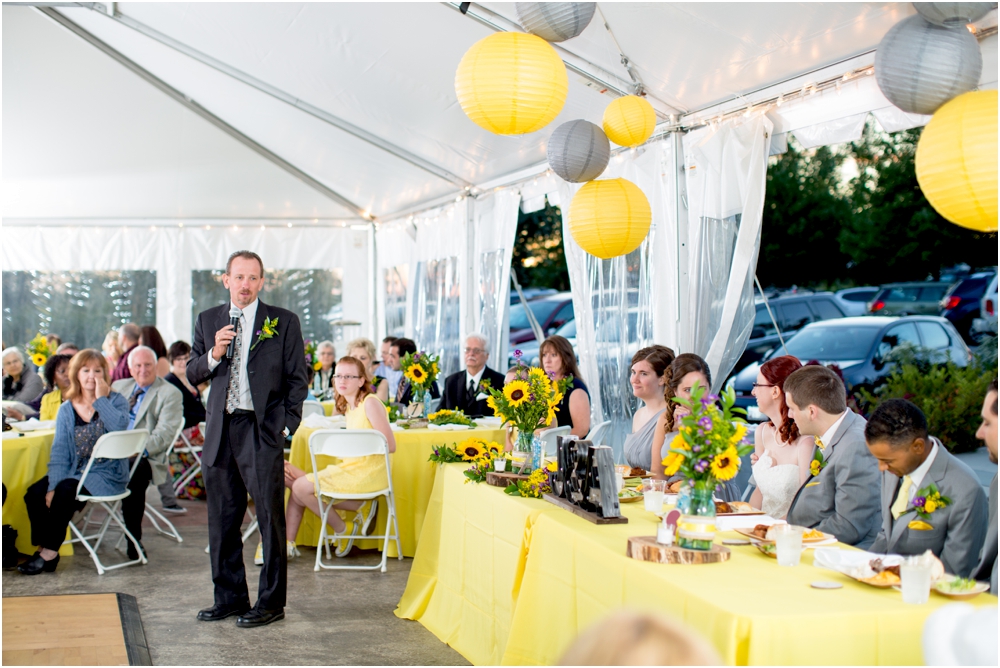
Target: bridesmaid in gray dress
(648, 384)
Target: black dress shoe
(259, 618)
(36, 565)
(222, 610)
(131, 553)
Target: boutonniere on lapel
(927, 500)
(817, 464)
(267, 331)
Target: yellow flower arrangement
(38, 349)
(421, 369)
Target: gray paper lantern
(951, 13)
(578, 151)
(919, 66)
(555, 21)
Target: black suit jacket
(456, 393)
(276, 369)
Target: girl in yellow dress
(354, 475)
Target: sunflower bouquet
(39, 350)
(421, 369)
(481, 454)
(312, 358)
(537, 484)
(443, 417)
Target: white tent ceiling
(86, 138)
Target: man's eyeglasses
(474, 351)
(340, 377)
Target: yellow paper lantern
(609, 218)
(629, 120)
(511, 83)
(957, 160)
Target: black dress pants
(48, 523)
(134, 505)
(245, 464)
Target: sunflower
(672, 462)
(494, 449)
(726, 465)
(556, 398)
(516, 392)
(38, 359)
(416, 373)
(317, 365)
(471, 449)
(550, 418)
(741, 431)
(538, 374)
(492, 403)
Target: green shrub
(950, 396)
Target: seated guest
(110, 348)
(56, 374)
(150, 337)
(322, 383)
(919, 474)
(355, 475)
(783, 455)
(684, 373)
(648, 379)
(843, 499)
(194, 413)
(54, 341)
(128, 338)
(461, 390)
(20, 380)
(363, 350)
(404, 392)
(91, 410)
(385, 370)
(986, 570)
(559, 361)
(158, 406)
(68, 349)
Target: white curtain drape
(495, 225)
(174, 252)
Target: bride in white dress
(781, 456)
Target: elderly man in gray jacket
(158, 406)
(841, 497)
(930, 500)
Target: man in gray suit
(930, 500)
(843, 498)
(986, 569)
(158, 406)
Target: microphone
(234, 320)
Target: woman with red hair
(782, 454)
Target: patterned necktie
(134, 399)
(233, 391)
(902, 498)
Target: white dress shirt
(918, 474)
(474, 379)
(246, 324)
(827, 437)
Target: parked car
(859, 347)
(962, 303)
(529, 349)
(854, 301)
(791, 313)
(530, 294)
(919, 298)
(986, 323)
(551, 312)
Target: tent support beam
(190, 104)
(289, 99)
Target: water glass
(620, 471)
(915, 576)
(788, 543)
(652, 494)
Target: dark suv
(792, 313)
(961, 303)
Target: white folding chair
(191, 472)
(549, 439)
(312, 408)
(344, 443)
(155, 516)
(597, 432)
(112, 445)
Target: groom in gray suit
(986, 569)
(842, 499)
(930, 500)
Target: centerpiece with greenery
(444, 417)
(421, 369)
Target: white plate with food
(960, 589)
(760, 534)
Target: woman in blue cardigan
(91, 410)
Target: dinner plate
(979, 588)
(629, 499)
(805, 541)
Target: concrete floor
(333, 617)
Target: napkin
(854, 563)
(489, 422)
(315, 421)
(33, 424)
(448, 427)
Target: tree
(803, 213)
(539, 260)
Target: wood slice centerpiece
(645, 548)
(503, 479)
(580, 512)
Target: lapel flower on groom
(267, 331)
(925, 503)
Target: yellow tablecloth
(412, 479)
(328, 407)
(513, 581)
(25, 462)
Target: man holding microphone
(257, 369)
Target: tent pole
(183, 99)
(287, 98)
